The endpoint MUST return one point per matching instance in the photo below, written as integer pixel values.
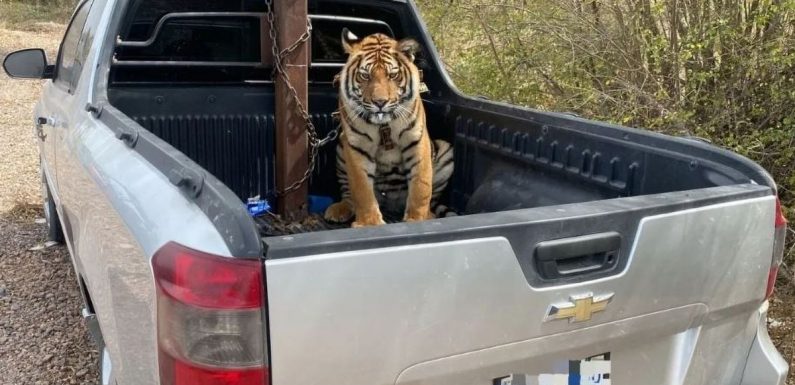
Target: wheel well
(86, 295)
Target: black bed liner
(505, 157)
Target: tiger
(385, 156)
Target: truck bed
(506, 158)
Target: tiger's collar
(386, 137)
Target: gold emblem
(580, 308)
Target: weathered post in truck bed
(291, 137)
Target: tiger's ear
(349, 40)
(409, 47)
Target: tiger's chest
(392, 140)
(389, 161)
(385, 143)
(390, 146)
(391, 179)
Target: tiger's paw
(339, 212)
(417, 216)
(370, 219)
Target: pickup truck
(583, 252)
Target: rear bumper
(764, 366)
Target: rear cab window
(220, 42)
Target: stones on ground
(43, 246)
(42, 337)
(774, 323)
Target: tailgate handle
(568, 257)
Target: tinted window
(70, 58)
(225, 39)
(143, 15)
(233, 39)
(229, 47)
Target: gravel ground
(781, 322)
(42, 338)
(19, 169)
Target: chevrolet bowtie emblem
(580, 308)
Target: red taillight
(184, 373)
(204, 280)
(778, 248)
(781, 220)
(209, 312)
(771, 281)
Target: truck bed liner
(505, 160)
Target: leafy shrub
(724, 70)
(23, 13)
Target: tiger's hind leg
(420, 179)
(443, 167)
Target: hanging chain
(278, 70)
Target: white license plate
(590, 371)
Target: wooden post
(291, 139)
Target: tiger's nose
(380, 103)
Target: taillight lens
(771, 281)
(781, 220)
(778, 248)
(209, 312)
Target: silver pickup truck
(583, 252)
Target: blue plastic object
(319, 203)
(257, 206)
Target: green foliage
(22, 14)
(719, 69)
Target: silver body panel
(116, 210)
(462, 312)
(764, 364)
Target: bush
(723, 72)
(22, 14)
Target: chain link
(278, 70)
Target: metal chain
(278, 69)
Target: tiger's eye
(364, 75)
(394, 75)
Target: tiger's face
(380, 81)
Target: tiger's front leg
(361, 177)
(418, 204)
